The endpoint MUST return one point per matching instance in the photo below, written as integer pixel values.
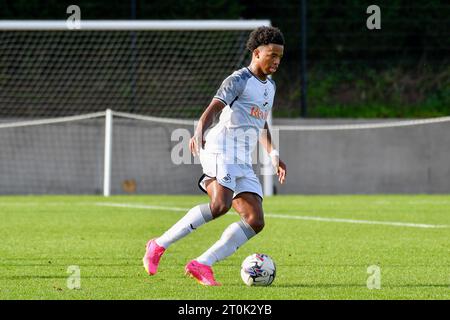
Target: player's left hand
(281, 171)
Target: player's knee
(257, 224)
(219, 208)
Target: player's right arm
(228, 92)
(205, 121)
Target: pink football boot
(152, 256)
(202, 273)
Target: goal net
(56, 85)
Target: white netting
(55, 85)
(168, 73)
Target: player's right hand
(195, 143)
(281, 171)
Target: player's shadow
(64, 257)
(320, 285)
(57, 262)
(420, 286)
(28, 277)
(302, 285)
(66, 265)
(355, 285)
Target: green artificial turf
(42, 236)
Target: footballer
(244, 101)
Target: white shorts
(234, 176)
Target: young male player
(244, 100)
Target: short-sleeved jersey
(248, 103)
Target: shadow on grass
(65, 262)
(69, 264)
(30, 277)
(323, 285)
(347, 285)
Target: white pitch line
(282, 216)
(388, 223)
(140, 206)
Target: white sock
(195, 217)
(232, 238)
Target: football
(258, 270)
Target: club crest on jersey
(226, 179)
(266, 93)
(258, 113)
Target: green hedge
(368, 93)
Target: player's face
(269, 57)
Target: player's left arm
(266, 141)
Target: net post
(107, 157)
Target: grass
(43, 236)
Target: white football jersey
(248, 103)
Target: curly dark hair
(264, 36)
